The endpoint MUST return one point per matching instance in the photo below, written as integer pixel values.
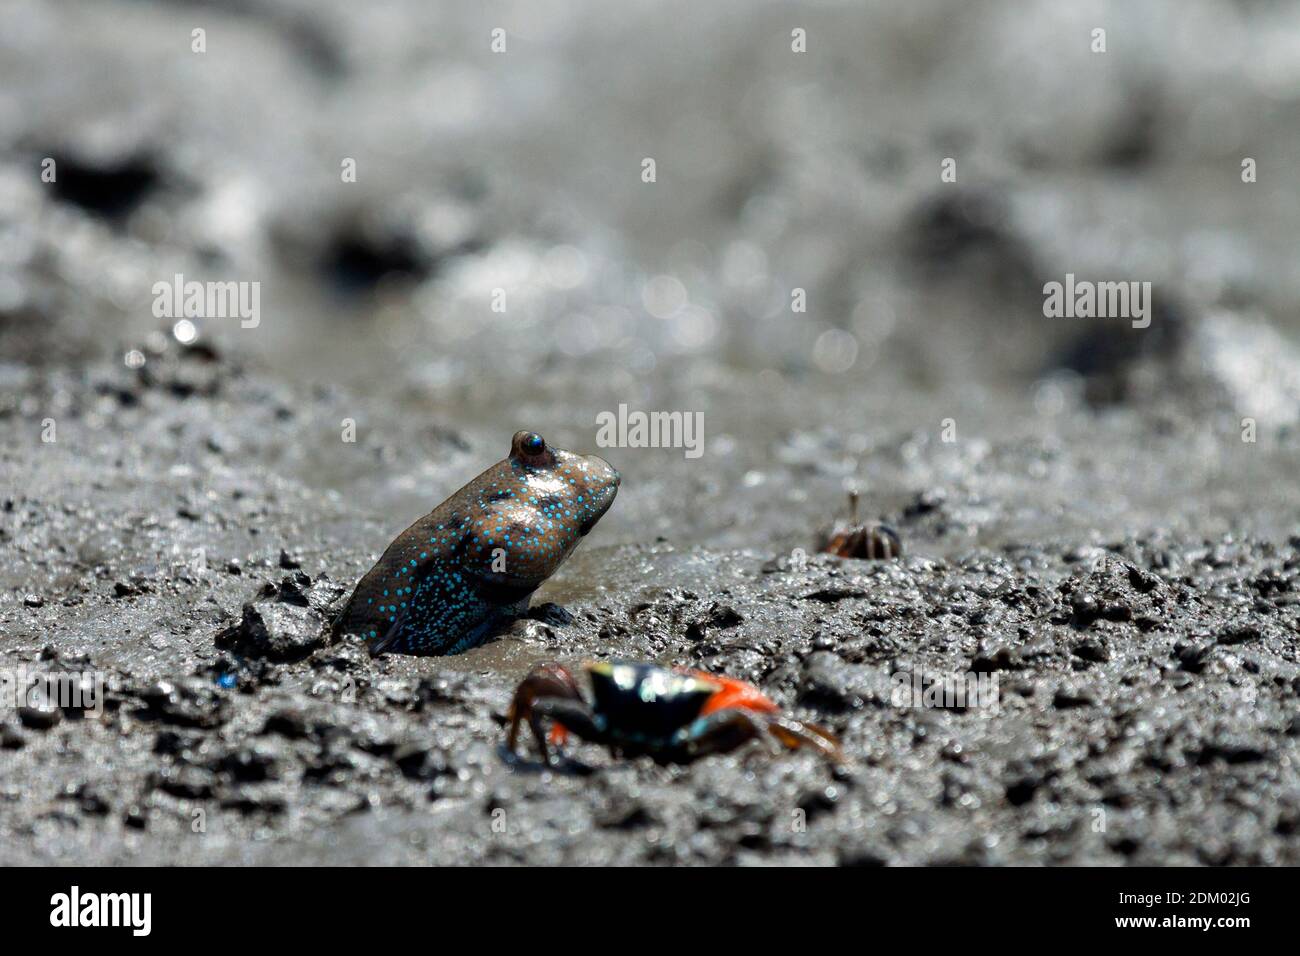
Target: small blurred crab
(674, 716)
(853, 540)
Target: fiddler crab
(672, 715)
(872, 542)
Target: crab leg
(544, 682)
(573, 715)
(795, 734)
(723, 731)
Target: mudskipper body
(449, 578)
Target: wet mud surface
(1096, 540)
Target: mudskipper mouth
(615, 480)
(591, 522)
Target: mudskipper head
(587, 483)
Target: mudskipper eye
(533, 444)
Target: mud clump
(287, 622)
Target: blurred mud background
(1099, 536)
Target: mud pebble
(1093, 650)
(417, 761)
(91, 801)
(1069, 697)
(285, 624)
(40, 714)
(194, 783)
(276, 632)
(187, 703)
(252, 763)
(135, 818)
(288, 722)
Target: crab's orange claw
(795, 734)
(734, 694)
(558, 735)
